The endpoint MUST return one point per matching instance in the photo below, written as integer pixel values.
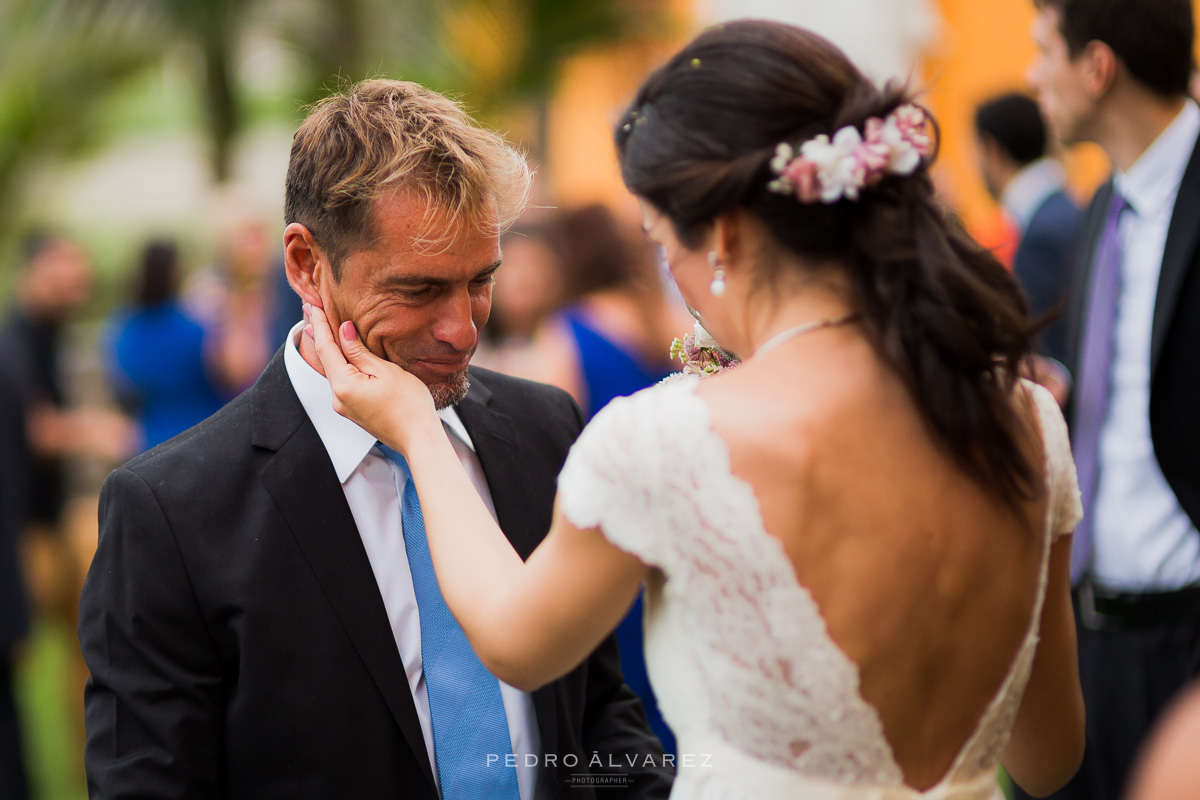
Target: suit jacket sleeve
(615, 728)
(616, 731)
(151, 705)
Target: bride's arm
(1046, 746)
(530, 622)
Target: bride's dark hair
(943, 313)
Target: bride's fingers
(332, 360)
(356, 352)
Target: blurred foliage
(216, 29)
(499, 55)
(509, 52)
(69, 68)
(335, 42)
(59, 61)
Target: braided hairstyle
(697, 142)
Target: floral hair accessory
(825, 171)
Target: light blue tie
(470, 730)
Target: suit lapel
(1178, 255)
(306, 490)
(500, 456)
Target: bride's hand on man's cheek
(376, 394)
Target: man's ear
(1100, 65)
(306, 263)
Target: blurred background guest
(237, 301)
(1011, 143)
(158, 353)
(614, 336)
(528, 288)
(14, 608)
(43, 430)
(54, 284)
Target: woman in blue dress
(158, 353)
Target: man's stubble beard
(450, 392)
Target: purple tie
(1095, 377)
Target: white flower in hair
(838, 169)
(827, 170)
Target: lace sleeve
(614, 474)
(1066, 507)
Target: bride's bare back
(926, 581)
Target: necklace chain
(799, 330)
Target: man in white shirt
(1115, 72)
(258, 620)
(1010, 137)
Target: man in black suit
(250, 619)
(14, 607)
(1115, 72)
(1010, 138)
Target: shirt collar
(346, 443)
(1030, 187)
(1155, 177)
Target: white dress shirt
(1143, 539)
(370, 482)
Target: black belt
(1102, 610)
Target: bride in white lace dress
(855, 544)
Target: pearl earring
(717, 287)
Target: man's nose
(455, 324)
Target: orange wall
(984, 49)
(595, 89)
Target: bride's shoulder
(628, 458)
(1066, 507)
(1039, 407)
(645, 426)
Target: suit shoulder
(183, 450)
(1057, 221)
(535, 408)
(1057, 207)
(506, 387)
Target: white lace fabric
(736, 648)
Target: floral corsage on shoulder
(700, 355)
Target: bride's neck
(814, 301)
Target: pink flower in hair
(839, 171)
(907, 139)
(805, 182)
(874, 152)
(827, 170)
